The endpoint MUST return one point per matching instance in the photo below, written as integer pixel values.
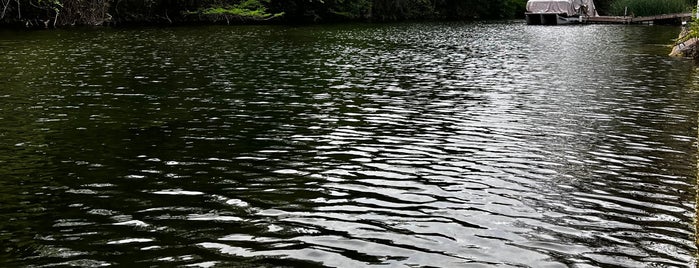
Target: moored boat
(559, 12)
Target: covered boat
(555, 12)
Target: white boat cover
(568, 7)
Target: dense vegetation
(50, 13)
(649, 7)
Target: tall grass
(649, 7)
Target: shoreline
(686, 44)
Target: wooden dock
(659, 19)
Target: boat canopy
(568, 7)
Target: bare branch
(4, 9)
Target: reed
(649, 7)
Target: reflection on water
(444, 145)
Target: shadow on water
(348, 146)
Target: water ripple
(441, 145)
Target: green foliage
(98, 12)
(690, 31)
(240, 12)
(693, 30)
(247, 9)
(234, 11)
(649, 7)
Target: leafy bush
(248, 9)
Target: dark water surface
(404, 145)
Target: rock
(685, 49)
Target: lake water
(388, 145)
